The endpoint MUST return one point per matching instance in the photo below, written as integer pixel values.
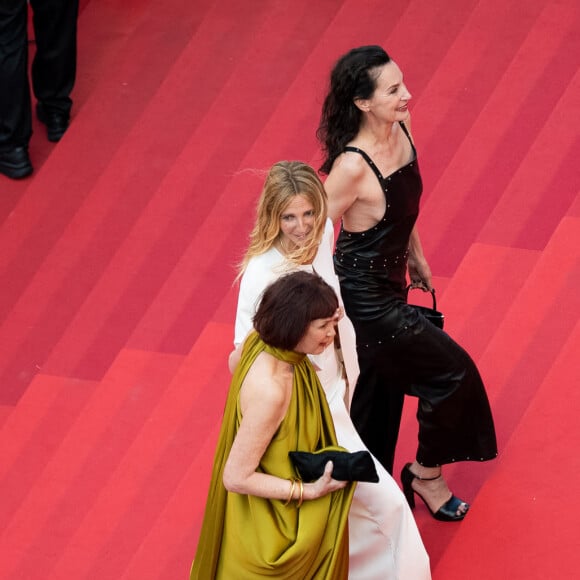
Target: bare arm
(234, 357)
(341, 187)
(265, 400)
(354, 194)
(419, 271)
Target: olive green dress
(245, 537)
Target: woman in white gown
(292, 232)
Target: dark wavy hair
(353, 77)
(289, 305)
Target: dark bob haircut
(289, 305)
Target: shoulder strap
(366, 157)
(406, 131)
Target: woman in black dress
(374, 186)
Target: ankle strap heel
(448, 512)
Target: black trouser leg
(455, 420)
(414, 357)
(15, 109)
(54, 65)
(377, 407)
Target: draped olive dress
(247, 537)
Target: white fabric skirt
(384, 542)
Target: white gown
(384, 542)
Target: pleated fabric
(247, 537)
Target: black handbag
(431, 314)
(357, 466)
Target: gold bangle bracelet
(292, 486)
(301, 496)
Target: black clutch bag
(357, 466)
(431, 314)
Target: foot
(429, 484)
(15, 162)
(56, 121)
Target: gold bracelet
(301, 496)
(290, 497)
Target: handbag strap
(432, 291)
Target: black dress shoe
(56, 121)
(15, 163)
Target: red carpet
(118, 257)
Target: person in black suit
(53, 76)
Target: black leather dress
(399, 351)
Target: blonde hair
(285, 180)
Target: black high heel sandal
(447, 512)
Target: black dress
(399, 351)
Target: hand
(324, 484)
(418, 283)
(420, 274)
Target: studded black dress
(399, 351)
